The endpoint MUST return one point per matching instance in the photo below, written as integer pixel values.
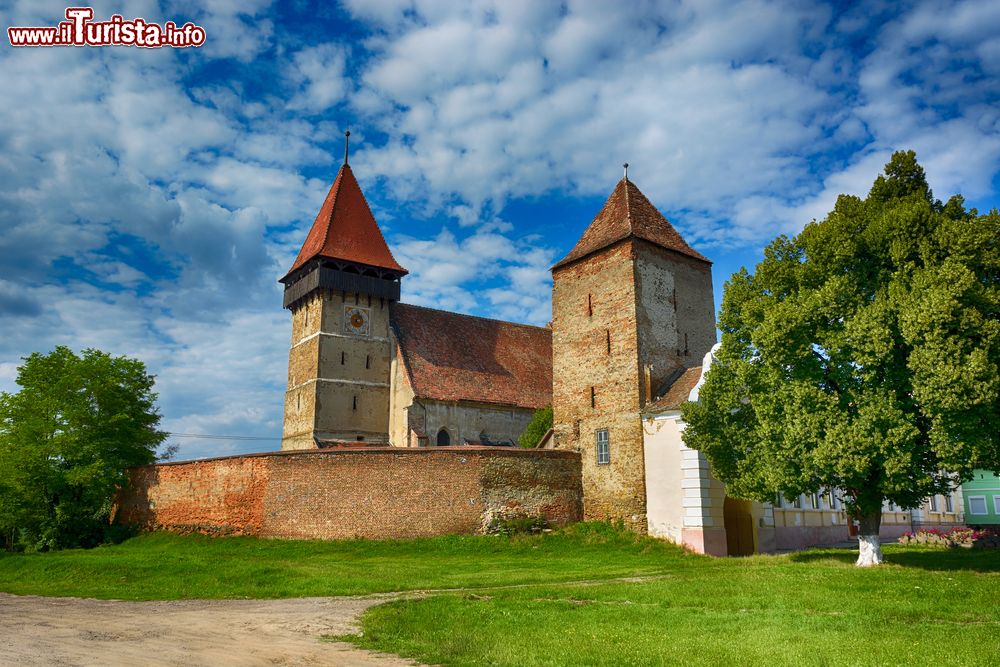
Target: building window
(996, 504)
(590, 305)
(797, 502)
(948, 504)
(368, 361)
(354, 405)
(603, 447)
(814, 500)
(343, 358)
(829, 499)
(977, 505)
(779, 501)
(443, 439)
(932, 503)
(607, 334)
(593, 398)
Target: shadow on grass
(942, 560)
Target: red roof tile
(678, 391)
(627, 213)
(346, 229)
(454, 357)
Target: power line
(219, 437)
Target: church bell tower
(339, 290)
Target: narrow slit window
(354, 406)
(368, 361)
(685, 345)
(607, 337)
(343, 358)
(590, 305)
(593, 398)
(603, 447)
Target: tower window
(368, 361)
(607, 337)
(685, 345)
(593, 398)
(603, 447)
(443, 439)
(354, 406)
(343, 358)
(590, 305)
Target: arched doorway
(738, 517)
(443, 439)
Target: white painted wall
(664, 489)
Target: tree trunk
(869, 546)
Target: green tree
(65, 440)
(862, 355)
(539, 425)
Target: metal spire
(626, 170)
(347, 143)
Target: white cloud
(320, 71)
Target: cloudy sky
(150, 199)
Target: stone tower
(632, 306)
(339, 290)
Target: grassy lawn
(555, 600)
(162, 566)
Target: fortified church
(632, 313)
(396, 416)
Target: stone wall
(338, 382)
(596, 383)
(372, 493)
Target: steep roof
(627, 213)
(678, 388)
(346, 229)
(454, 357)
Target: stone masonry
(347, 493)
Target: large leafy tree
(861, 355)
(66, 439)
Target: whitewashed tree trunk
(869, 550)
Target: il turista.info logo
(79, 29)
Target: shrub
(956, 537)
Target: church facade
(632, 330)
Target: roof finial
(347, 143)
(626, 170)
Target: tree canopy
(862, 354)
(66, 439)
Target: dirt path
(72, 631)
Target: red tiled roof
(454, 357)
(678, 392)
(627, 213)
(346, 229)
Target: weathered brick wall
(595, 344)
(371, 493)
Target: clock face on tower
(356, 320)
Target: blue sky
(150, 199)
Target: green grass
(559, 599)
(161, 566)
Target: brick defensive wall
(375, 493)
